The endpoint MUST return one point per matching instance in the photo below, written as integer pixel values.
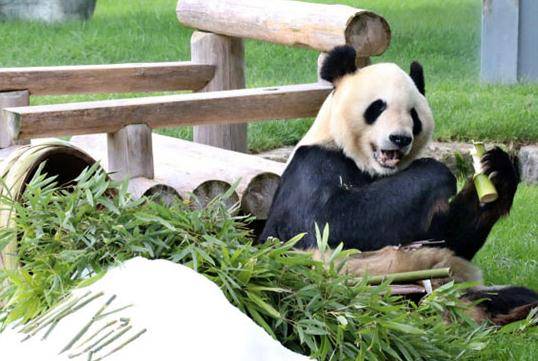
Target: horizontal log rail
(110, 78)
(316, 26)
(222, 107)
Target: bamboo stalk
(128, 341)
(88, 325)
(484, 187)
(409, 276)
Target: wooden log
(110, 78)
(208, 190)
(144, 187)
(184, 165)
(130, 152)
(258, 195)
(228, 56)
(316, 26)
(237, 106)
(11, 99)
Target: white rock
(528, 163)
(187, 317)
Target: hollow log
(316, 26)
(63, 160)
(144, 187)
(185, 165)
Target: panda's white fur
(341, 122)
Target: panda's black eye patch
(417, 124)
(374, 110)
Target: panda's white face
(379, 118)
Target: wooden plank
(499, 48)
(317, 26)
(115, 78)
(130, 152)
(11, 99)
(228, 56)
(231, 106)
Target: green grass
(510, 256)
(444, 36)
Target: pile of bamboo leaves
(66, 236)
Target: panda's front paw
(503, 173)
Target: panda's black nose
(400, 140)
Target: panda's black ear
(339, 62)
(417, 74)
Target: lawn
(443, 35)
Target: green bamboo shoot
(484, 187)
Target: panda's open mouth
(387, 158)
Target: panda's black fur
(321, 184)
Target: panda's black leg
(468, 222)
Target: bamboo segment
(484, 187)
(316, 26)
(410, 276)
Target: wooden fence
(220, 106)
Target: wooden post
(508, 51)
(11, 99)
(130, 152)
(227, 54)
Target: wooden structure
(219, 108)
(509, 51)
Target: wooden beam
(11, 99)
(115, 78)
(231, 106)
(228, 56)
(316, 26)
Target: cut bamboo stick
(484, 187)
(316, 26)
(410, 276)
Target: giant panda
(358, 169)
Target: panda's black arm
(467, 225)
(389, 211)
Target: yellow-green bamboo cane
(484, 187)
